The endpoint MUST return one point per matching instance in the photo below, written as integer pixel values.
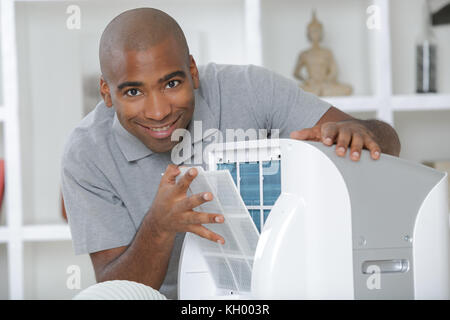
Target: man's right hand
(146, 258)
(172, 210)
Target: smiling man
(129, 217)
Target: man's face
(153, 92)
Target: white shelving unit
(12, 232)
(381, 101)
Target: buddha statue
(320, 66)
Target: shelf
(421, 102)
(4, 234)
(50, 232)
(411, 102)
(355, 103)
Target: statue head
(315, 29)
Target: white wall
(2, 154)
(3, 246)
(425, 135)
(1, 77)
(50, 97)
(46, 274)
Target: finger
(170, 174)
(356, 147)
(204, 232)
(373, 147)
(195, 217)
(343, 141)
(193, 201)
(307, 134)
(185, 181)
(329, 131)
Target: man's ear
(194, 72)
(104, 91)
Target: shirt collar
(133, 149)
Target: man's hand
(172, 211)
(146, 258)
(347, 133)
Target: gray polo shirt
(109, 177)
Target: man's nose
(157, 108)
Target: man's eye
(133, 92)
(172, 84)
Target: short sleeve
(285, 106)
(97, 216)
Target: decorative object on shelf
(426, 55)
(440, 12)
(2, 180)
(320, 66)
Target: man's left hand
(347, 133)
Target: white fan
(119, 290)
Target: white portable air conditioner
(303, 223)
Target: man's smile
(160, 132)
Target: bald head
(137, 30)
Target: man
(121, 211)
